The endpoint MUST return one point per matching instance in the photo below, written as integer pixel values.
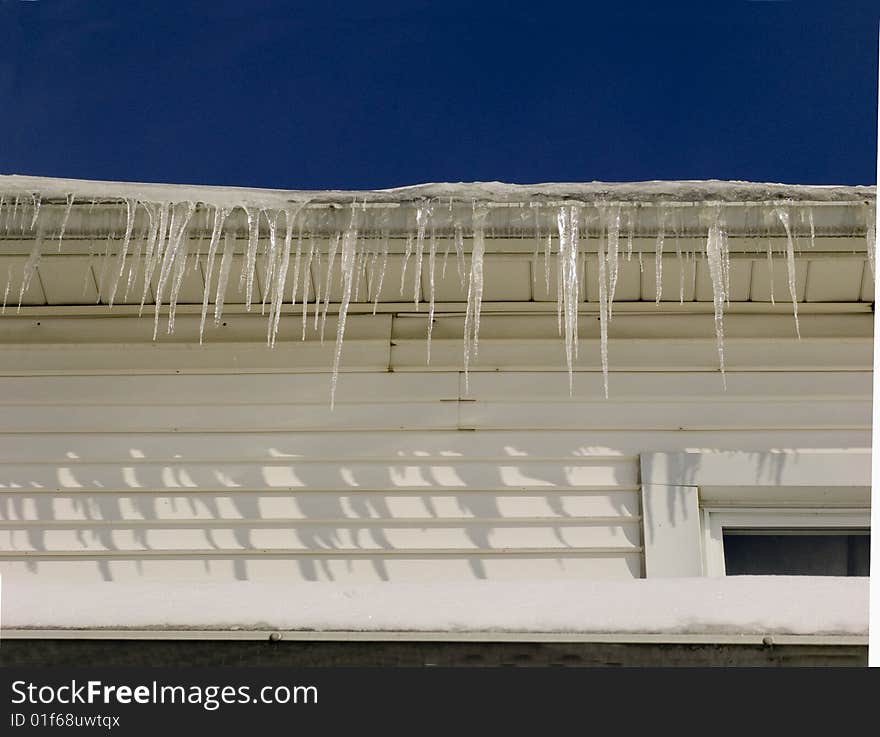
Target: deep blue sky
(362, 95)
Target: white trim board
(673, 485)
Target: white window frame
(681, 492)
(716, 519)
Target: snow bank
(731, 606)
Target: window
(789, 510)
(786, 542)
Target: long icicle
(715, 259)
(658, 253)
(223, 275)
(603, 312)
(475, 290)
(64, 219)
(180, 217)
(349, 273)
(130, 212)
(785, 219)
(220, 215)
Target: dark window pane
(792, 553)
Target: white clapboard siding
(412, 476)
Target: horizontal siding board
(668, 415)
(331, 477)
(359, 355)
(684, 386)
(641, 355)
(72, 449)
(286, 570)
(229, 389)
(436, 507)
(509, 536)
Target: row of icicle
(163, 246)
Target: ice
(158, 215)
(432, 257)
(307, 282)
(246, 279)
(180, 217)
(347, 267)
(377, 286)
(220, 215)
(223, 275)
(658, 255)
(331, 257)
(423, 216)
(406, 257)
(603, 315)
(715, 258)
(785, 219)
(475, 290)
(30, 267)
(568, 224)
(272, 254)
(613, 230)
(64, 219)
(130, 211)
(871, 240)
(147, 227)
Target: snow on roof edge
(499, 192)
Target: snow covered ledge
(742, 609)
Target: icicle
(297, 267)
(331, 258)
(318, 299)
(37, 201)
(6, 291)
(180, 260)
(220, 215)
(307, 283)
(770, 265)
(105, 262)
(423, 215)
(613, 247)
(629, 236)
(135, 261)
(537, 245)
(347, 269)
(812, 228)
(715, 259)
(603, 314)
(641, 264)
(560, 255)
(64, 220)
(223, 275)
(382, 268)
(406, 256)
(475, 290)
(280, 277)
(871, 240)
(432, 256)
(246, 279)
(658, 253)
(789, 258)
(271, 260)
(568, 225)
(459, 253)
(130, 210)
(30, 266)
(158, 228)
(180, 217)
(11, 219)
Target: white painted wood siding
(415, 476)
